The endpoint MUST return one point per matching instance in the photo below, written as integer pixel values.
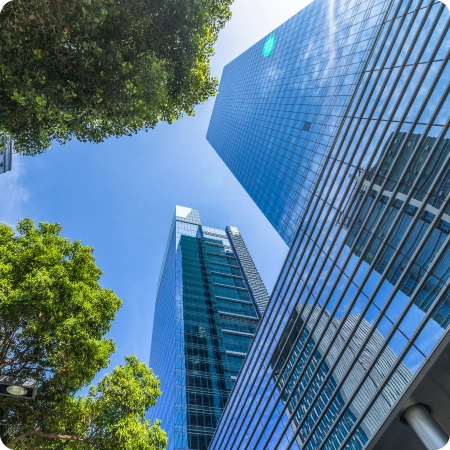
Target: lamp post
(16, 387)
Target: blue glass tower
(209, 300)
(337, 125)
(280, 104)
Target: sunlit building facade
(337, 125)
(391, 169)
(209, 301)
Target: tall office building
(209, 301)
(337, 125)
(6, 158)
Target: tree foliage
(53, 318)
(111, 416)
(91, 69)
(53, 311)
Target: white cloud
(13, 194)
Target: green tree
(91, 69)
(53, 311)
(53, 318)
(111, 416)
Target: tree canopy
(90, 69)
(53, 311)
(53, 317)
(111, 416)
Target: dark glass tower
(337, 125)
(210, 297)
(6, 158)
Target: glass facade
(277, 113)
(337, 124)
(206, 315)
(414, 146)
(6, 158)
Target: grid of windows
(231, 281)
(205, 320)
(229, 292)
(222, 268)
(237, 342)
(273, 125)
(222, 259)
(235, 363)
(249, 269)
(238, 323)
(362, 301)
(228, 306)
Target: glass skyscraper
(337, 125)
(209, 301)
(6, 158)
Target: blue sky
(119, 196)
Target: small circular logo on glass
(269, 45)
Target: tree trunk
(38, 432)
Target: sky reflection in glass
(347, 152)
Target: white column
(432, 436)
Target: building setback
(337, 125)
(208, 305)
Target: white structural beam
(426, 428)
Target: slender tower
(209, 301)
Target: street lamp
(16, 387)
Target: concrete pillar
(432, 436)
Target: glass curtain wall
(205, 320)
(281, 102)
(363, 298)
(6, 158)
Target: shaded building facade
(209, 301)
(337, 125)
(6, 158)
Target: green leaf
(150, 59)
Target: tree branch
(6, 341)
(38, 432)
